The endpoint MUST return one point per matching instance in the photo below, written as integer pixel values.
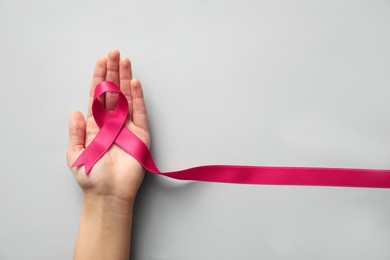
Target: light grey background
(299, 83)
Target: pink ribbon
(112, 130)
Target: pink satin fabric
(112, 131)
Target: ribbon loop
(110, 125)
(113, 130)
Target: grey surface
(300, 83)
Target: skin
(112, 184)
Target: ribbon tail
(137, 149)
(82, 160)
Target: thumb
(76, 135)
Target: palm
(116, 173)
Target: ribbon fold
(112, 131)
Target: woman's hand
(113, 182)
(116, 173)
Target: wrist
(107, 205)
(105, 228)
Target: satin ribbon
(112, 131)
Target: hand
(116, 174)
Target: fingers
(125, 76)
(76, 134)
(99, 74)
(113, 76)
(119, 72)
(139, 108)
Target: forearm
(105, 228)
